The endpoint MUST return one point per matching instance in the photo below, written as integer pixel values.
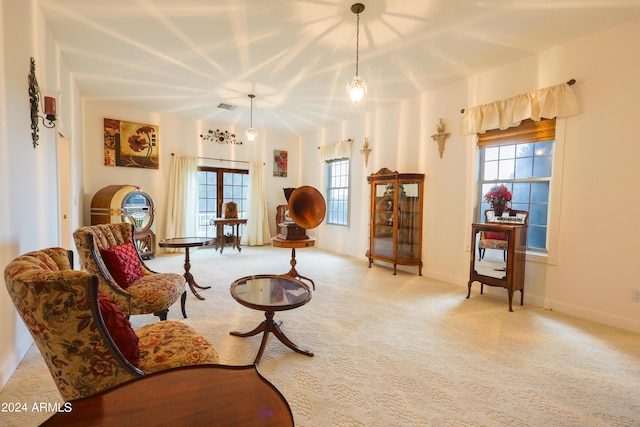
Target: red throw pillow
(123, 263)
(496, 235)
(120, 329)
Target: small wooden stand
(278, 242)
(234, 223)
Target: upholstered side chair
(108, 251)
(83, 336)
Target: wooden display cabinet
(395, 222)
(502, 268)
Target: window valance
(550, 102)
(339, 150)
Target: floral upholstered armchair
(108, 251)
(83, 336)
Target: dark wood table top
(185, 242)
(199, 395)
(230, 221)
(293, 243)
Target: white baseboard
(594, 316)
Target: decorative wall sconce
(365, 151)
(34, 100)
(440, 137)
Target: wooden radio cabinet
(127, 203)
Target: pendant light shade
(251, 132)
(357, 87)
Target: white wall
(28, 176)
(181, 137)
(589, 271)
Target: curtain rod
(570, 83)
(221, 160)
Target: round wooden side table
(293, 244)
(186, 243)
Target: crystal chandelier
(357, 87)
(251, 132)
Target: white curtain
(550, 102)
(339, 150)
(182, 198)
(256, 232)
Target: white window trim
(555, 199)
(327, 178)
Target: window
(217, 186)
(338, 192)
(522, 160)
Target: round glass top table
(271, 293)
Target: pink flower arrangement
(498, 194)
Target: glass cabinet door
(409, 220)
(383, 219)
(490, 260)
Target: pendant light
(358, 87)
(251, 132)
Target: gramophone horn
(307, 207)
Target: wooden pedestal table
(198, 395)
(270, 293)
(293, 244)
(235, 224)
(186, 243)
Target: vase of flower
(498, 196)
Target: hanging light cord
(251, 112)
(357, 41)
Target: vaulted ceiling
(185, 57)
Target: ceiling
(184, 57)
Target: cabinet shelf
(395, 231)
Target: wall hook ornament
(365, 151)
(441, 137)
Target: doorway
(64, 191)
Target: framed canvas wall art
(131, 144)
(280, 163)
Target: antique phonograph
(306, 209)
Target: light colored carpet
(399, 350)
